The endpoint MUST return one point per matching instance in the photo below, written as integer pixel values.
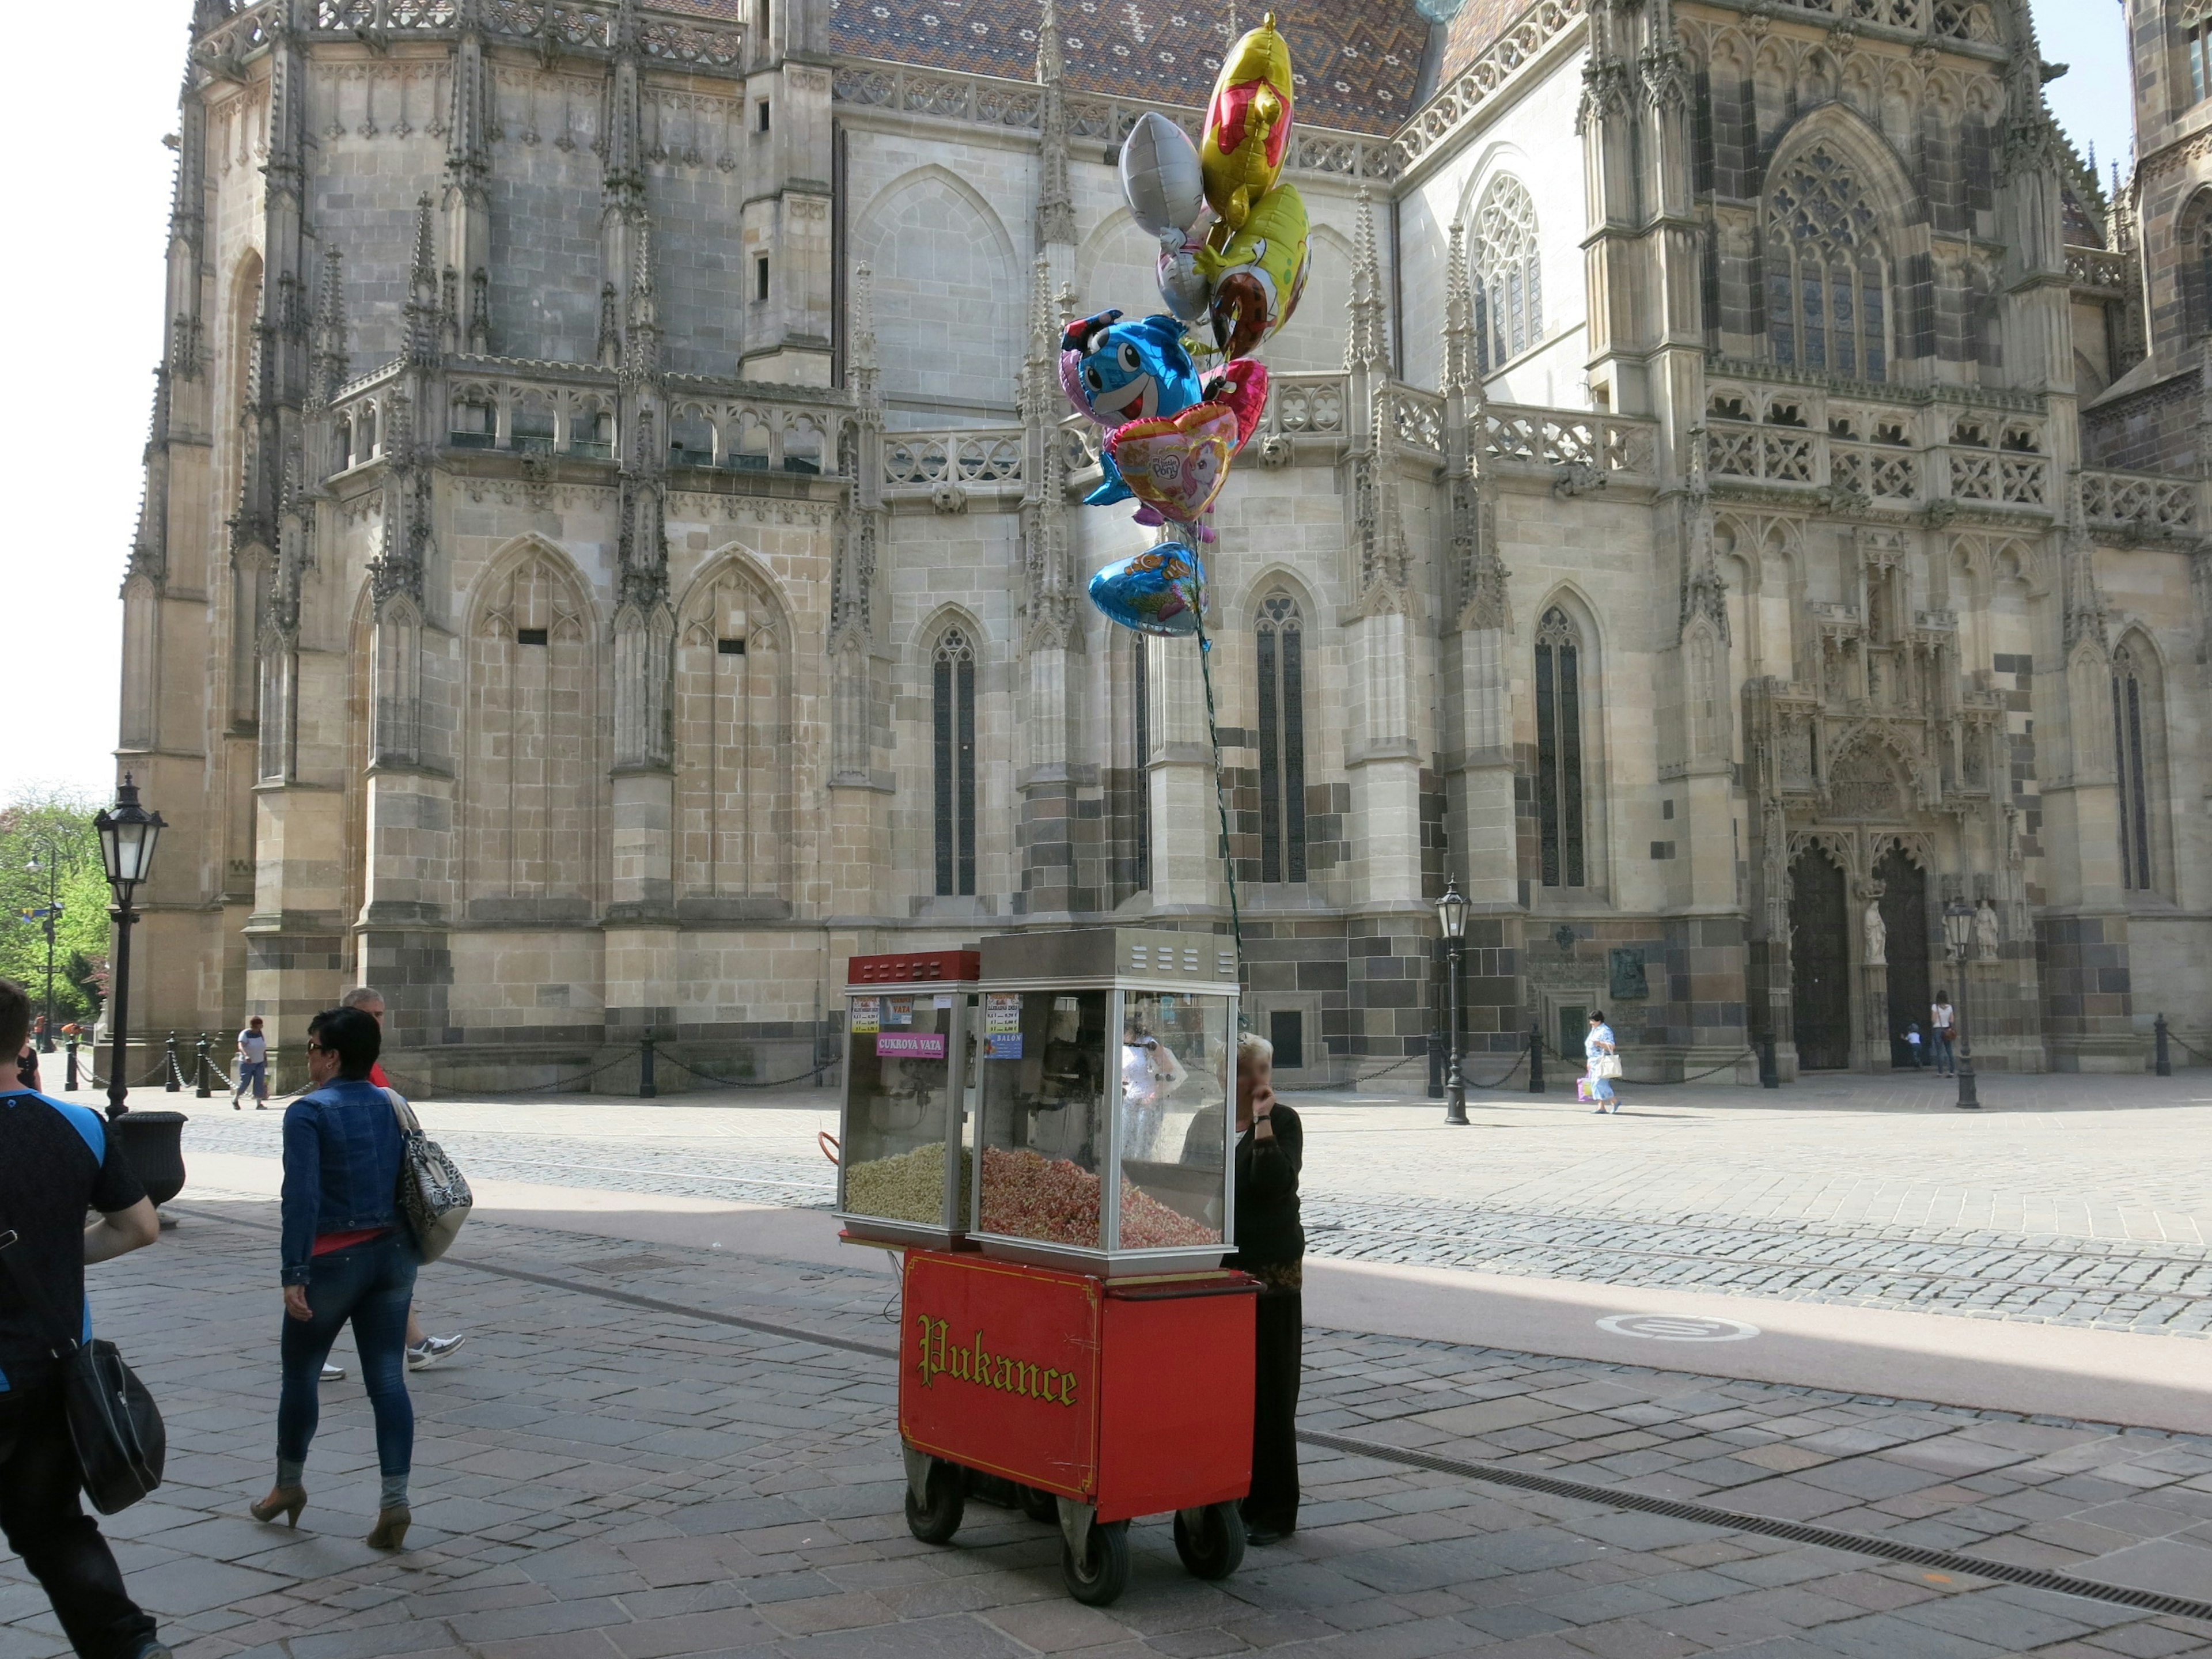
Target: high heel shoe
(391, 1530)
(287, 1501)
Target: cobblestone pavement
(597, 1478)
(2070, 1200)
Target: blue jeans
(1944, 1061)
(371, 1284)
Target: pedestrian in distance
(253, 1067)
(346, 1259)
(1913, 1044)
(423, 1351)
(56, 1163)
(1942, 1024)
(1598, 1045)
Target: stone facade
(613, 545)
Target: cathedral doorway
(1905, 918)
(1819, 962)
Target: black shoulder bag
(112, 1420)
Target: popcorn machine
(904, 1165)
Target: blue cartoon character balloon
(1160, 591)
(1116, 372)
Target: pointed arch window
(1281, 656)
(2138, 748)
(1559, 750)
(1509, 293)
(2194, 241)
(1828, 270)
(2196, 47)
(952, 705)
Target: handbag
(433, 1196)
(1605, 1065)
(114, 1426)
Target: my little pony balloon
(1114, 371)
(1174, 464)
(1160, 591)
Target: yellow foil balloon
(1247, 127)
(1257, 279)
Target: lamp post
(128, 834)
(47, 858)
(1451, 915)
(1958, 938)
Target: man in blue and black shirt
(57, 1162)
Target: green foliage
(54, 828)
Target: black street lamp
(1959, 938)
(48, 856)
(1451, 915)
(128, 834)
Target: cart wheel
(1038, 1506)
(1218, 1547)
(1104, 1572)
(936, 1522)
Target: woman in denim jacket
(346, 1256)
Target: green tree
(53, 829)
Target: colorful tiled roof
(1358, 61)
(1478, 23)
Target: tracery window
(1281, 654)
(2197, 46)
(2195, 241)
(1508, 295)
(953, 710)
(1827, 271)
(1560, 750)
(2138, 751)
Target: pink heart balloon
(1177, 463)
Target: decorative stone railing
(989, 100)
(2140, 502)
(1557, 438)
(918, 462)
(1946, 20)
(1307, 405)
(2098, 268)
(586, 25)
(1882, 473)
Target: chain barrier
(145, 1082)
(2182, 1043)
(1752, 1055)
(559, 1085)
(743, 1082)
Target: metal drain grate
(1795, 1532)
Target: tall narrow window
(1509, 293)
(953, 706)
(2134, 749)
(1560, 750)
(2197, 43)
(1827, 271)
(1282, 740)
(2193, 240)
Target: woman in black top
(1271, 1246)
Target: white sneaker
(333, 1373)
(431, 1350)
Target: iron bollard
(647, 1090)
(2164, 1064)
(69, 1087)
(175, 1085)
(1770, 1075)
(201, 1088)
(1535, 1058)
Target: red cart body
(1132, 1394)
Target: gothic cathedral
(1733, 499)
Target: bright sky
(84, 295)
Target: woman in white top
(1150, 1073)
(1600, 1042)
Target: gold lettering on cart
(975, 1362)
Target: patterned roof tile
(1478, 23)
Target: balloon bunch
(1233, 255)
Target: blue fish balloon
(1160, 591)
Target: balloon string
(1220, 801)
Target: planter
(152, 1145)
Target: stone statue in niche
(1985, 931)
(1877, 935)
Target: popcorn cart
(1088, 1353)
(904, 1164)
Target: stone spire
(468, 175)
(1044, 507)
(1462, 372)
(1366, 346)
(1055, 204)
(328, 368)
(863, 370)
(425, 310)
(643, 356)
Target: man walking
(253, 1067)
(423, 1351)
(56, 1163)
(1940, 1020)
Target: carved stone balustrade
(975, 457)
(2140, 504)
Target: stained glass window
(1827, 271)
(1281, 642)
(1559, 750)
(953, 706)
(1509, 293)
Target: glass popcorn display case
(1106, 1058)
(905, 1165)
